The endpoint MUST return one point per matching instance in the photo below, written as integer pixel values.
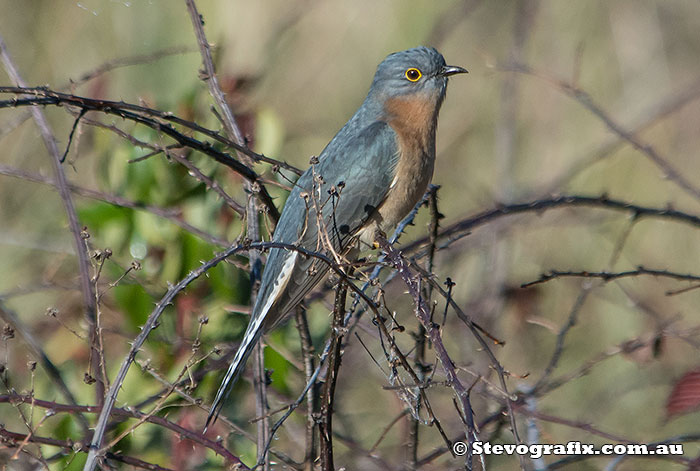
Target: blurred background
(562, 98)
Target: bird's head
(420, 71)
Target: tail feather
(268, 296)
(250, 338)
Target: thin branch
(293, 406)
(54, 374)
(150, 324)
(104, 68)
(420, 338)
(46, 96)
(674, 103)
(328, 394)
(261, 406)
(194, 378)
(571, 320)
(75, 228)
(360, 295)
(307, 351)
(142, 115)
(234, 133)
(213, 184)
(170, 151)
(124, 414)
(72, 132)
(584, 292)
(128, 62)
(69, 445)
(586, 100)
(395, 356)
(465, 226)
(610, 276)
(171, 215)
(209, 75)
(386, 430)
(626, 347)
(584, 426)
(433, 333)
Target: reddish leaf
(685, 396)
(186, 454)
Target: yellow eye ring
(413, 74)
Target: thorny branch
(437, 240)
(331, 380)
(464, 227)
(12, 319)
(251, 217)
(172, 215)
(307, 352)
(150, 324)
(17, 399)
(96, 359)
(587, 101)
(154, 119)
(433, 333)
(610, 276)
(70, 446)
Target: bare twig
(252, 221)
(465, 226)
(128, 62)
(307, 351)
(626, 347)
(72, 132)
(172, 215)
(571, 320)
(586, 100)
(195, 172)
(102, 69)
(610, 276)
(328, 394)
(150, 324)
(360, 295)
(69, 445)
(674, 103)
(34, 345)
(76, 231)
(111, 107)
(433, 333)
(170, 151)
(261, 407)
(195, 377)
(150, 118)
(386, 430)
(122, 413)
(419, 341)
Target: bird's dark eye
(413, 74)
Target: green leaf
(135, 302)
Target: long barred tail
(251, 337)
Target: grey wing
(365, 165)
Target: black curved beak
(448, 70)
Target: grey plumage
(361, 163)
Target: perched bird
(367, 179)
